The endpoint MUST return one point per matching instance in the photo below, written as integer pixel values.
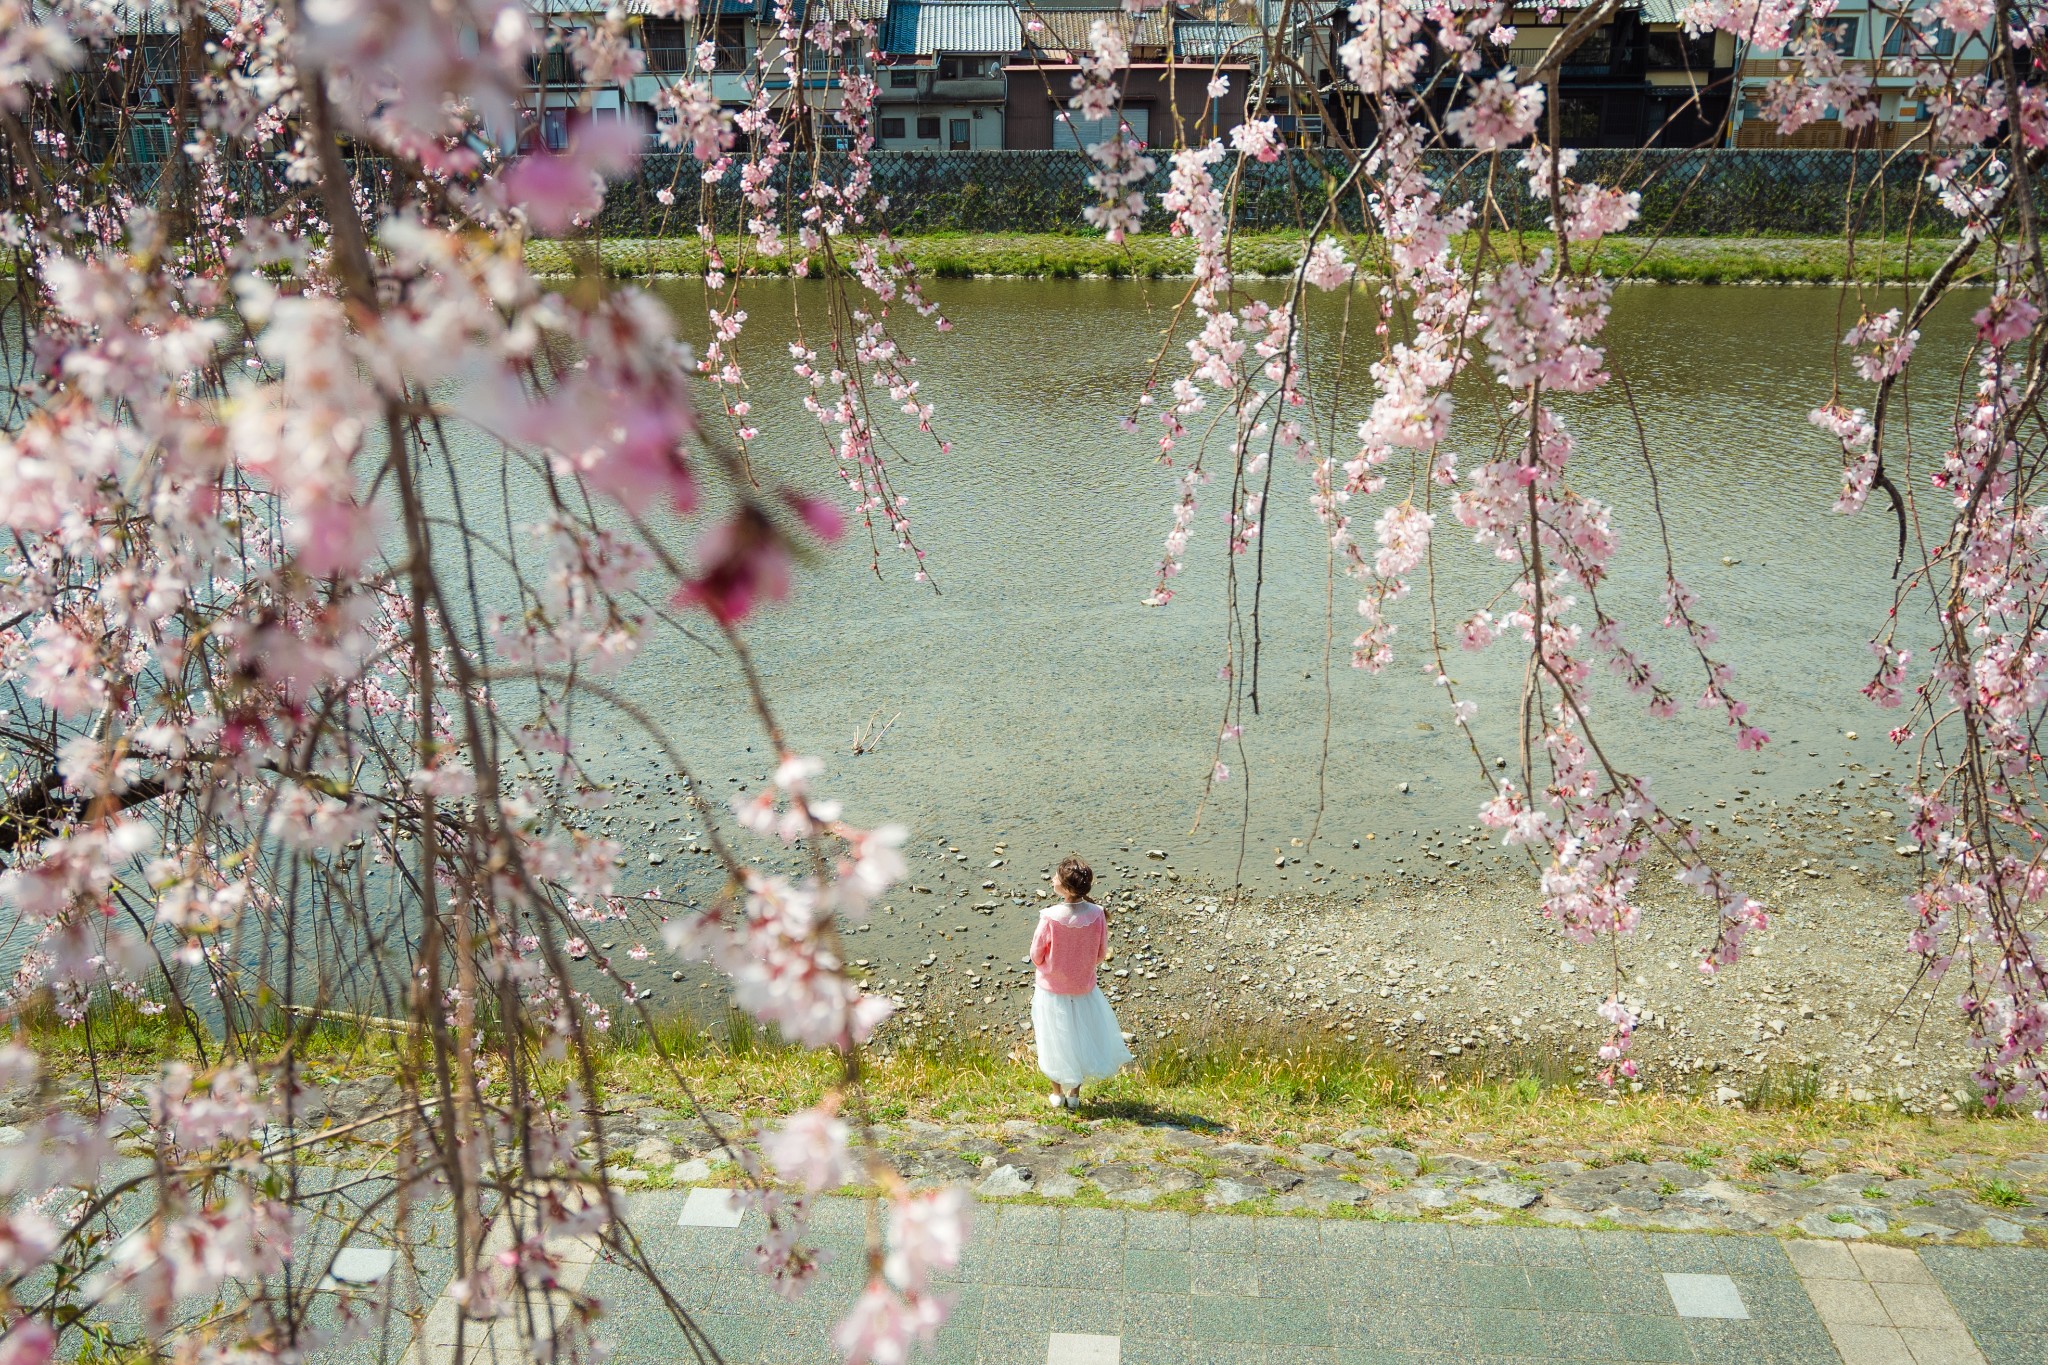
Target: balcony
(1594, 57)
(969, 89)
(678, 60)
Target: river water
(1039, 707)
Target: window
(903, 80)
(1904, 40)
(928, 127)
(149, 141)
(892, 127)
(159, 59)
(1840, 34)
(1618, 118)
(554, 129)
(1597, 50)
(959, 135)
(969, 68)
(1672, 50)
(1578, 119)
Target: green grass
(2001, 1194)
(1158, 255)
(1270, 1086)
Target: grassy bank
(1279, 1089)
(1684, 260)
(1284, 1089)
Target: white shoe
(1074, 1100)
(1056, 1100)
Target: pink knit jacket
(1069, 942)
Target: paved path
(1048, 1286)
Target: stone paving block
(1372, 1283)
(1509, 1333)
(1866, 1344)
(1651, 1339)
(1437, 1330)
(1347, 1238)
(1213, 1273)
(1847, 1301)
(1155, 1272)
(2001, 1348)
(1754, 1256)
(1157, 1317)
(1086, 1314)
(953, 1346)
(1979, 1285)
(1497, 1286)
(1556, 1248)
(1686, 1253)
(1225, 1235)
(1411, 1242)
(970, 1304)
(1030, 1263)
(1916, 1305)
(1214, 1318)
(839, 1218)
(1173, 1352)
(1626, 1251)
(1804, 1344)
(1080, 1348)
(1705, 1296)
(1294, 1276)
(1294, 1322)
(1148, 1231)
(1289, 1237)
(1030, 1223)
(1225, 1353)
(1096, 1229)
(1559, 1290)
(1011, 1348)
(709, 1208)
(1889, 1265)
(1637, 1292)
(1775, 1298)
(1941, 1346)
(1583, 1336)
(1284, 1353)
(1724, 1341)
(1823, 1261)
(1010, 1309)
(1485, 1246)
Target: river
(1038, 706)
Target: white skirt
(1078, 1037)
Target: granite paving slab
(1049, 1286)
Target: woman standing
(1078, 1036)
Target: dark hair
(1074, 875)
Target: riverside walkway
(1043, 1285)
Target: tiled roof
(925, 27)
(1066, 30)
(845, 11)
(644, 8)
(1208, 39)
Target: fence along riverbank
(1718, 192)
